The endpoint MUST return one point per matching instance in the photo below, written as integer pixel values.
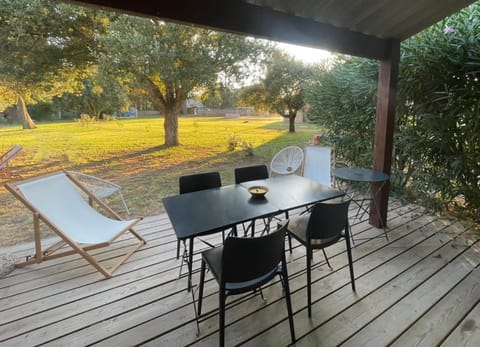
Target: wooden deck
(422, 288)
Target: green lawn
(130, 152)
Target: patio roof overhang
(366, 28)
(356, 27)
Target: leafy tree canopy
(170, 61)
(283, 88)
(46, 47)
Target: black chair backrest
(196, 182)
(247, 258)
(250, 173)
(328, 220)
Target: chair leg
(353, 240)
(124, 203)
(200, 287)
(195, 311)
(221, 296)
(266, 225)
(326, 258)
(261, 294)
(309, 282)
(350, 259)
(284, 279)
(178, 249)
(245, 230)
(287, 216)
(289, 242)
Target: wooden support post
(384, 128)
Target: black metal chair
(322, 227)
(250, 173)
(245, 264)
(196, 182)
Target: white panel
(317, 165)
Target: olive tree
(47, 48)
(282, 90)
(169, 61)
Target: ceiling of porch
(357, 27)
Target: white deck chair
(55, 201)
(99, 187)
(318, 164)
(287, 161)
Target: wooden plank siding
(421, 288)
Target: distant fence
(228, 112)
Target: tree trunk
(171, 129)
(170, 105)
(291, 123)
(23, 115)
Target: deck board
(432, 328)
(429, 264)
(376, 290)
(468, 332)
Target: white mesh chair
(55, 201)
(287, 161)
(99, 187)
(7, 157)
(318, 164)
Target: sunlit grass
(130, 153)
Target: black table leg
(189, 265)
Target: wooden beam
(384, 128)
(242, 18)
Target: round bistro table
(367, 176)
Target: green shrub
(436, 140)
(232, 142)
(247, 147)
(41, 111)
(342, 101)
(85, 120)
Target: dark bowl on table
(258, 191)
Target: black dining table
(210, 211)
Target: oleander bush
(436, 140)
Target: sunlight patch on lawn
(131, 153)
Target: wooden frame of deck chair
(55, 200)
(8, 156)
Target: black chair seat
(297, 227)
(213, 258)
